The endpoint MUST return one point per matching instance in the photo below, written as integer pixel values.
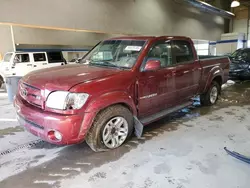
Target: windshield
(7, 57)
(241, 55)
(115, 53)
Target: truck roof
(148, 37)
(20, 52)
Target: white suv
(21, 63)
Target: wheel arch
(114, 98)
(215, 74)
(218, 79)
(1, 77)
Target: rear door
(40, 60)
(188, 69)
(55, 59)
(156, 89)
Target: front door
(22, 64)
(156, 89)
(186, 70)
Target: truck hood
(67, 76)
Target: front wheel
(211, 96)
(1, 82)
(111, 128)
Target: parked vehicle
(75, 60)
(21, 63)
(122, 84)
(240, 64)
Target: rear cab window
(55, 57)
(39, 57)
(182, 52)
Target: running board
(164, 113)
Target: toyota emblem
(24, 92)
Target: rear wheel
(111, 128)
(211, 96)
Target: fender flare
(213, 73)
(112, 98)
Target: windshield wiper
(104, 63)
(109, 64)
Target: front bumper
(39, 122)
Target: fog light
(58, 135)
(54, 135)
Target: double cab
(119, 86)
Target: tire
(1, 82)
(105, 123)
(211, 96)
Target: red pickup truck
(119, 86)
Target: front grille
(31, 86)
(31, 94)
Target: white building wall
(56, 37)
(5, 40)
(240, 26)
(145, 17)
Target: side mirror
(152, 65)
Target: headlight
(64, 100)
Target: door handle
(44, 63)
(35, 66)
(29, 64)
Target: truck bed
(211, 62)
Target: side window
(182, 52)
(7, 57)
(21, 58)
(161, 51)
(39, 57)
(55, 57)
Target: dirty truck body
(121, 82)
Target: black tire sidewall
(1, 82)
(205, 98)
(103, 118)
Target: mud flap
(138, 127)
